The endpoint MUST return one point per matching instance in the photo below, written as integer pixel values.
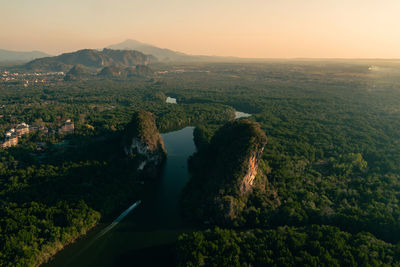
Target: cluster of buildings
(178, 71)
(30, 78)
(12, 135)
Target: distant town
(30, 78)
(13, 134)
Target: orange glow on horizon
(252, 28)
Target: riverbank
(48, 251)
(54, 250)
(51, 250)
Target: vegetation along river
(146, 235)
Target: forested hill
(77, 72)
(143, 141)
(89, 58)
(120, 73)
(223, 172)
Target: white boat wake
(108, 228)
(116, 221)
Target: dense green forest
(333, 149)
(104, 104)
(285, 246)
(331, 160)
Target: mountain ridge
(168, 55)
(162, 54)
(90, 58)
(24, 56)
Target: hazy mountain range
(126, 54)
(18, 56)
(155, 53)
(161, 54)
(166, 55)
(89, 58)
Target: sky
(244, 28)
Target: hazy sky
(246, 28)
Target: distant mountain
(18, 56)
(167, 55)
(89, 58)
(161, 54)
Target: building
(22, 129)
(12, 135)
(67, 127)
(9, 142)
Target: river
(171, 100)
(146, 235)
(239, 114)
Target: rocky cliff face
(252, 167)
(224, 172)
(143, 142)
(237, 148)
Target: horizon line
(215, 56)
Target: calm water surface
(171, 100)
(145, 236)
(239, 114)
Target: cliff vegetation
(142, 141)
(224, 171)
